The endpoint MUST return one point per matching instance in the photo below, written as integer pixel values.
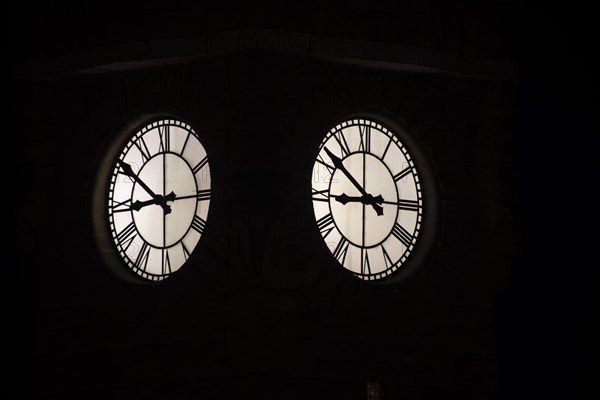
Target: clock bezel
(430, 190)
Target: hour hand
(373, 201)
(159, 200)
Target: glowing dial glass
(159, 196)
(367, 198)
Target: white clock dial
(367, 198)
(158, 198)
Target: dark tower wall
(263, 312)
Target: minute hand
(157, 199)
(337, 162)
(373, 201)
(127, 170)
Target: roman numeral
(203, 195)
(127, 235)
(365, 138)
(143, 148)
(126, 203)
(365, 265)
(164, 135)
(185, 142)
(142, 259)
(402, 234)
(198, 224)
(386, 148)
(402, 173)
(186, 252)
(325, 225)
(324, 193)
(166, 262)
(339, 137)
(386, 258)
(408, 205)
(200, 165)
(341, 249)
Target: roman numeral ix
(320, 195)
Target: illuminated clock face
(367, 198)
(158, 198)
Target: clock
(374, 198)
(152, 198)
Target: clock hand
(170, 197)
(374, 201)
(337, 162)
(127, 170)
(163, 203)
(159, 200)
(368, 199)
(191, 196)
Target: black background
(264, 312)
